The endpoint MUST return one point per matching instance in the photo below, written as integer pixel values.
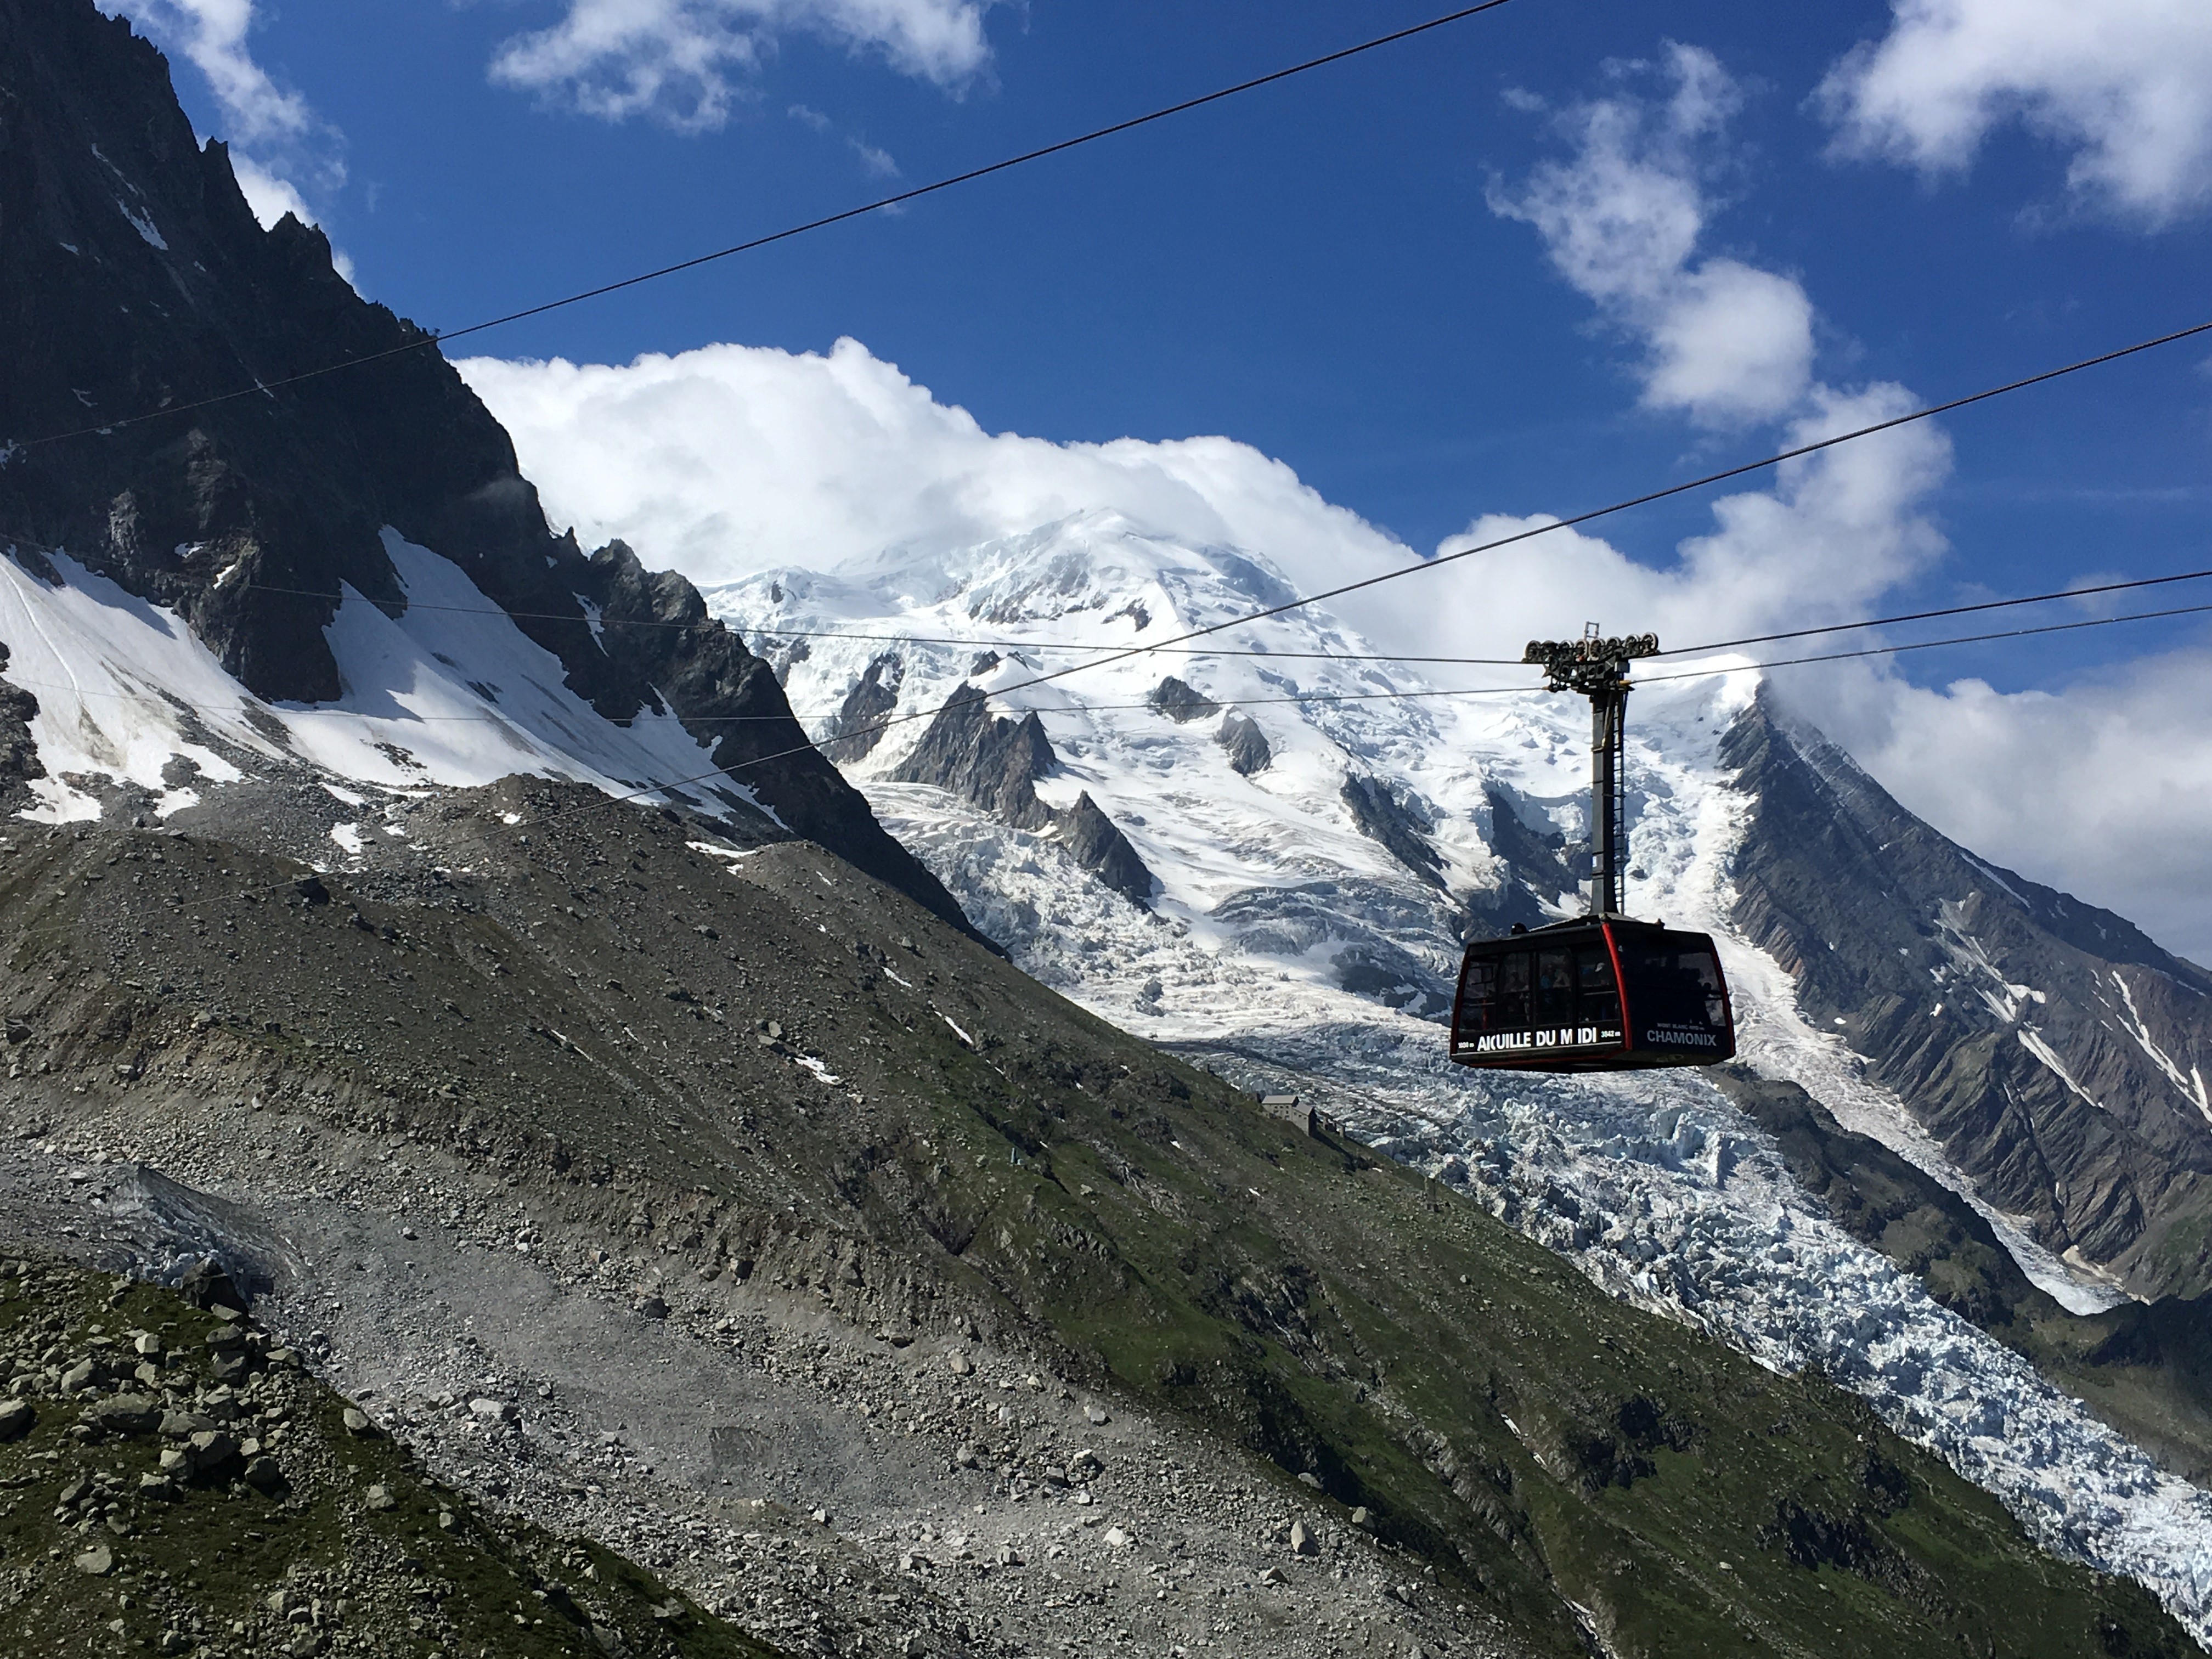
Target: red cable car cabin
(1596, 994)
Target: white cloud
(1835, 532)
(688, 62)
(875, 161)
(1622, 218)
(270, 197)
(1732, 342)
(211, 34)
(2124, 85)
(733, 459)
(730, 459)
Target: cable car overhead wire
(1930, 645)
(789, 232)
(742, 629)
(1423, 695)
(1709, 479)
(1950, 610)
(1125, 653)
(1288, 656)
(1517, 537)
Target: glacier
(1287, 946)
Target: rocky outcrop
(19, 756)
(992, 761)
(2054, 1051)
(1098, 845)
(858, 727)
(134, 279)
(1181, 702)
(1247, 745)
(1382, 817)
(996, 762)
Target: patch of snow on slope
(143, 226)
(126, 691)
(2032, 1041)
(2192, 1085)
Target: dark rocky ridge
(995, 762)
(1249, 753)
(1382, 817)
(1884, 922)
(978, 756)
(19, 756)
(1096, 843)
(1538, 865)
(857, 729)
(133, 277)
(1182, 702)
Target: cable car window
(1510, 1012)
(1478, 995)
(1496, 994)
(1672, 987)
(1555, 987)
(1594, 988)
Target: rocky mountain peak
(136, 279)
(2053, 1050)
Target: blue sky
(1312, 269)
(1369, 272)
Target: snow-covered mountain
(1266, 859)
(1291, 832)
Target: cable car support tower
(1598, 668)
(1601, 992)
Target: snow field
(128, 695)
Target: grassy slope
(1052, 1178)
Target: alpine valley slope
(1309, 838)
(683, 1172)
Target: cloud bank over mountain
(733, 460)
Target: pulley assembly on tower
(1602, 992)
